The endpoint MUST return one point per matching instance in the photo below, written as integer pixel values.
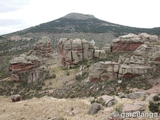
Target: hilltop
(76, 22)
(120, 77)
(73, 25)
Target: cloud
(11, 25)
(9, 22)
(136, 13)
(12, 5)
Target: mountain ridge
(77, 22)
(78, 16)
(72, 25)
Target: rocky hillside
(73, 25)
(76, 22)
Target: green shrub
(67, 73)
(119, 108)
(154, 107)
(156, 98)
(39, 88)
(53, 76)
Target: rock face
(103, 71)
(74, 51)
(143, 59)
(140, 62)
(26, 68)
(43, 47)
(131, 41)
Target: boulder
(16, 98)
(146, 37)
(27, 69)
(106, 100)
(99, 54)
(132, 70)
(129, 108)
(107, 48)
(136, 95)
(43, 48)
(74, 51)
(131, 41)
(94, 108)
(103, 71)
(150, 97)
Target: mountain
(76, 22)
(73, 25)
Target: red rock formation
(74, 51)
(43, 47)
(28, 68)
(22, 64)
(125, 46)
(131, 42)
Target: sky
(20, 14)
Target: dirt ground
(49, 107)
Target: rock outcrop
(26, 68)
(103, 71)
(142, 60)
(131, 41)
(74, 51)
(43, 48)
